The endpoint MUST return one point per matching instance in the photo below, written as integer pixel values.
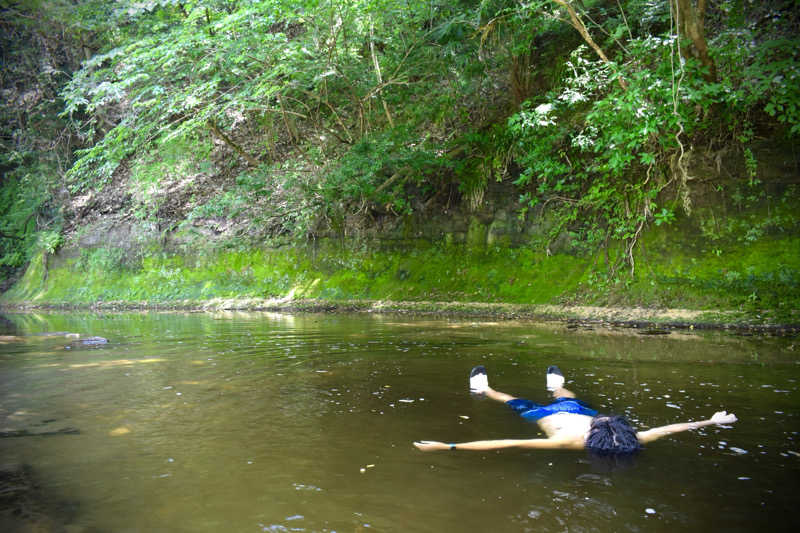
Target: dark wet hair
(612, 435)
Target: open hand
(723, 417)
(431, 445)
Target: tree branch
(394, 177)
(576, 22)
(378, 75)
(227, 140)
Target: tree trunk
(690, 21)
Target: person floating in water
(568, 422)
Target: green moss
(672, 270)
(31, 287)
(416, 274)
(678, 268)
(476, 235)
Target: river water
(264, 422)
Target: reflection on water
(261, 422)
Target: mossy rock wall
(761, 279)
(747, 261)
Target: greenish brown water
(258, 422)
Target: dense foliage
(37, 54)
(297, 115)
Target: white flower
(582, 141)
(572, 96)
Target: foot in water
(555, 379)
(478, 380)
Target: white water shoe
(555, 379)
(478, 380)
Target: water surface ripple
(264, 422)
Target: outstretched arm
(650, 435)
(481, 445)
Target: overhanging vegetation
(265, 121)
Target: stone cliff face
(477, 231)
(121, 215)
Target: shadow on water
(7, 326)
(263, 422)
(26, 505)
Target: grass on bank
(758, 279)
